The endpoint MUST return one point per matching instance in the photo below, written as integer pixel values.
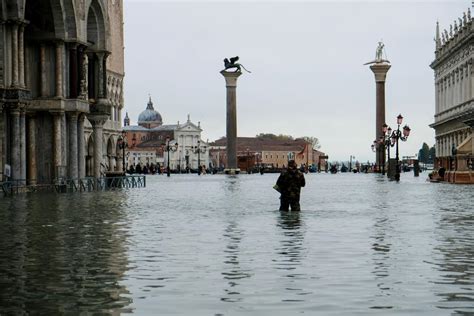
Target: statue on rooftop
(234, 64)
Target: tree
(313, 140)
(274, 137)
(424, 153)
(432, 155)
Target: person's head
(292, 164)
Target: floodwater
(217, 245)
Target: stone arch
(96, 26)
(111, 154)
(90, 157)
(12, 9)
(2, 11)
(71, 16)
(46, 16)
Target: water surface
(217, 245)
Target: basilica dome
(150, 118)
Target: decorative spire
(150, 104)
(455, 26)
(189, 118)
(437, 38)
(126, 120)
(450, 30)
(199, 124)
(178, 123)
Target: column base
(232, 171)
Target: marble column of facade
(57, 150)
(43, 82)
(112, 159)
(436, 97)
(73, 145)
(81, 147)
(14, 54)
(101, 79)
(59, 69)
(98, 130)
(32, 166)
(73, 71)
(15, 144)
(23, 145)
(21, 55)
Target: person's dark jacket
(290, 183)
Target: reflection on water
(233, 272)
(211, 245)
(56, 257)
(455, 255)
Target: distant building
(147, 141)
(270, 153)
(454, 109)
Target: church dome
(150, 118)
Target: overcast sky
(306, 58)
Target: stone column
(21, 55)
(73, 143)
(380, 71)
(44, 86)
(101, 73)
(57, 158)
(73, 71)
(231, 127)
(23, 161)
(81, 147)
(15, 144)
(32, 167)
(14, 54)
(59, 69)
(98, 129)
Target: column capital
(231, 77)
(73, 114)
(380, 71)
(57, 113)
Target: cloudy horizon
(306, 58)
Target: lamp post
(389, 139)
(198, 150)
(396, 136)
(248, 158)
(350, 162)
(377, 147)
(122, 144)
(169, 148)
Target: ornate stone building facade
(61, 82)
(454, 87)
(146, 142)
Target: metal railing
(88, 184)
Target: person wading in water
(289, 185)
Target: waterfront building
(454, 105)
(61, 83)
(147, 141)
(271, 153)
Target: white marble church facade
(61, 79)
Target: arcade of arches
(61, 79)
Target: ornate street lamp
(390, 138)
(169, 148)
(198, 150)
(378, 145)
(122, 144)
(398, 135)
